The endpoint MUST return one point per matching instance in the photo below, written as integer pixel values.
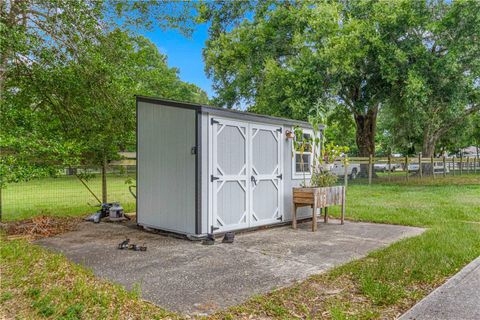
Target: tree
(284, 57)
(418, 59)
(438, 87)
(68, 80)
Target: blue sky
(184, 53)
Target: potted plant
(320, 191)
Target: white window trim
(300, 175)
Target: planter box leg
(294, 216)
(325, 219)
(314, 218)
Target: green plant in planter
(332, 153)
(321, 175)
(323, 178)
(323, 156)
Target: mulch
(39, 227)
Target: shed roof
(243, 115)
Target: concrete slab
(188, 277)
(458, 298)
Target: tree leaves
(68, 79)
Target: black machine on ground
(113, 210)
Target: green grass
(416, 203)
(61, 196)
(388, 281)
(382, 285)
(38, 284)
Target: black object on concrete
(124, 244)
(210, 240)
(228, 237)
(136, 247)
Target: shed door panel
(246, 181)
(230, 174)
(265, 174)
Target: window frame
(300, 175)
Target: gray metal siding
(166, 167)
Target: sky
(184, 53)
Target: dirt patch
(40, 227)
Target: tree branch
(456, 120)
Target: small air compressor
(112, 211)
(115, 212)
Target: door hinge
(213, 178)
(214, 228)
(279, 130)
(193, 150)
(280, 176)
(213, 121)
(280, 218)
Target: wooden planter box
(318, 198)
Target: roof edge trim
(220, 111)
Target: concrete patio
(189, 277)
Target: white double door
(245, 174)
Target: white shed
(203, 169)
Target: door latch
(280, 176)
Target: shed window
(300, 168)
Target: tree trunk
(366, 126)
(428, 151)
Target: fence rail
(415, 166)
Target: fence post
(345, 174)
(406, 167)
(0, 201)
(475, 164)
(461, 164)
(104, 180)
(433, 169)
(389, 168)
(453, 164)
(420, 170)
(370, 161)
(468, 164)
(444, 166)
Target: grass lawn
(37, 283)
(62, 196)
